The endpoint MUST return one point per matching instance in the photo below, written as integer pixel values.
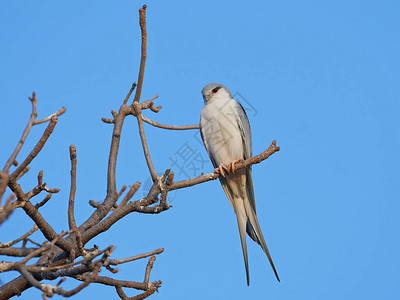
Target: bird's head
(214, 91)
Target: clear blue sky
(323, 79)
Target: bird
(225, 131)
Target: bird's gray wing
(244, 126)
(252, 227)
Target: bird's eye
(214, 90)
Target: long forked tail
(252, 218)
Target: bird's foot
(221, 170)
(231, 166)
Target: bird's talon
(221, 170)
(232, 165)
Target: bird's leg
(231, 166)
(221, 170)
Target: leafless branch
(136, 257)
(24, 171)
(148, 269)
(150, 104)
(138, 115)
(26, 240)
(153, 288)
(171, 127)
(71, 217)
(7, 209)
(17, 252)
(25, 133)
(57, 113)
(239, 165)
(36, 149)
(133, 189)
(11, 243)
(44, 201)
(142, 23)
(41, 186)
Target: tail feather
(250, 231)
(242, 220)
(252, 218)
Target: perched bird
(225, 131)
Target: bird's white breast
(221, 130)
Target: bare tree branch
(11, 243)
(25, 133)
(71, 217)
(43, 202)
(138, 115)
(17, 252)
(7, 209)
(149, 104)
(171, 127)
(57, 113)
(239, 165)
(133, 189)
(148, 269)
(142, 23)
(36, 149)
(136, 257)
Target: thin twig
(142, 22)
(148, 103)
(57, 113)
(71, 203)
(146, 152)
(36, 149)
(23, 172)
(148, 269)
(41, 186)
(10, 243)
(44, 201)
(7, 209)
(115, 262)
(142, 296)
(122, 191)
(26, 240)
(133, 189)
(171, 127)
(32, 121)
(134, 85)
(25, 133)
(76, 290)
